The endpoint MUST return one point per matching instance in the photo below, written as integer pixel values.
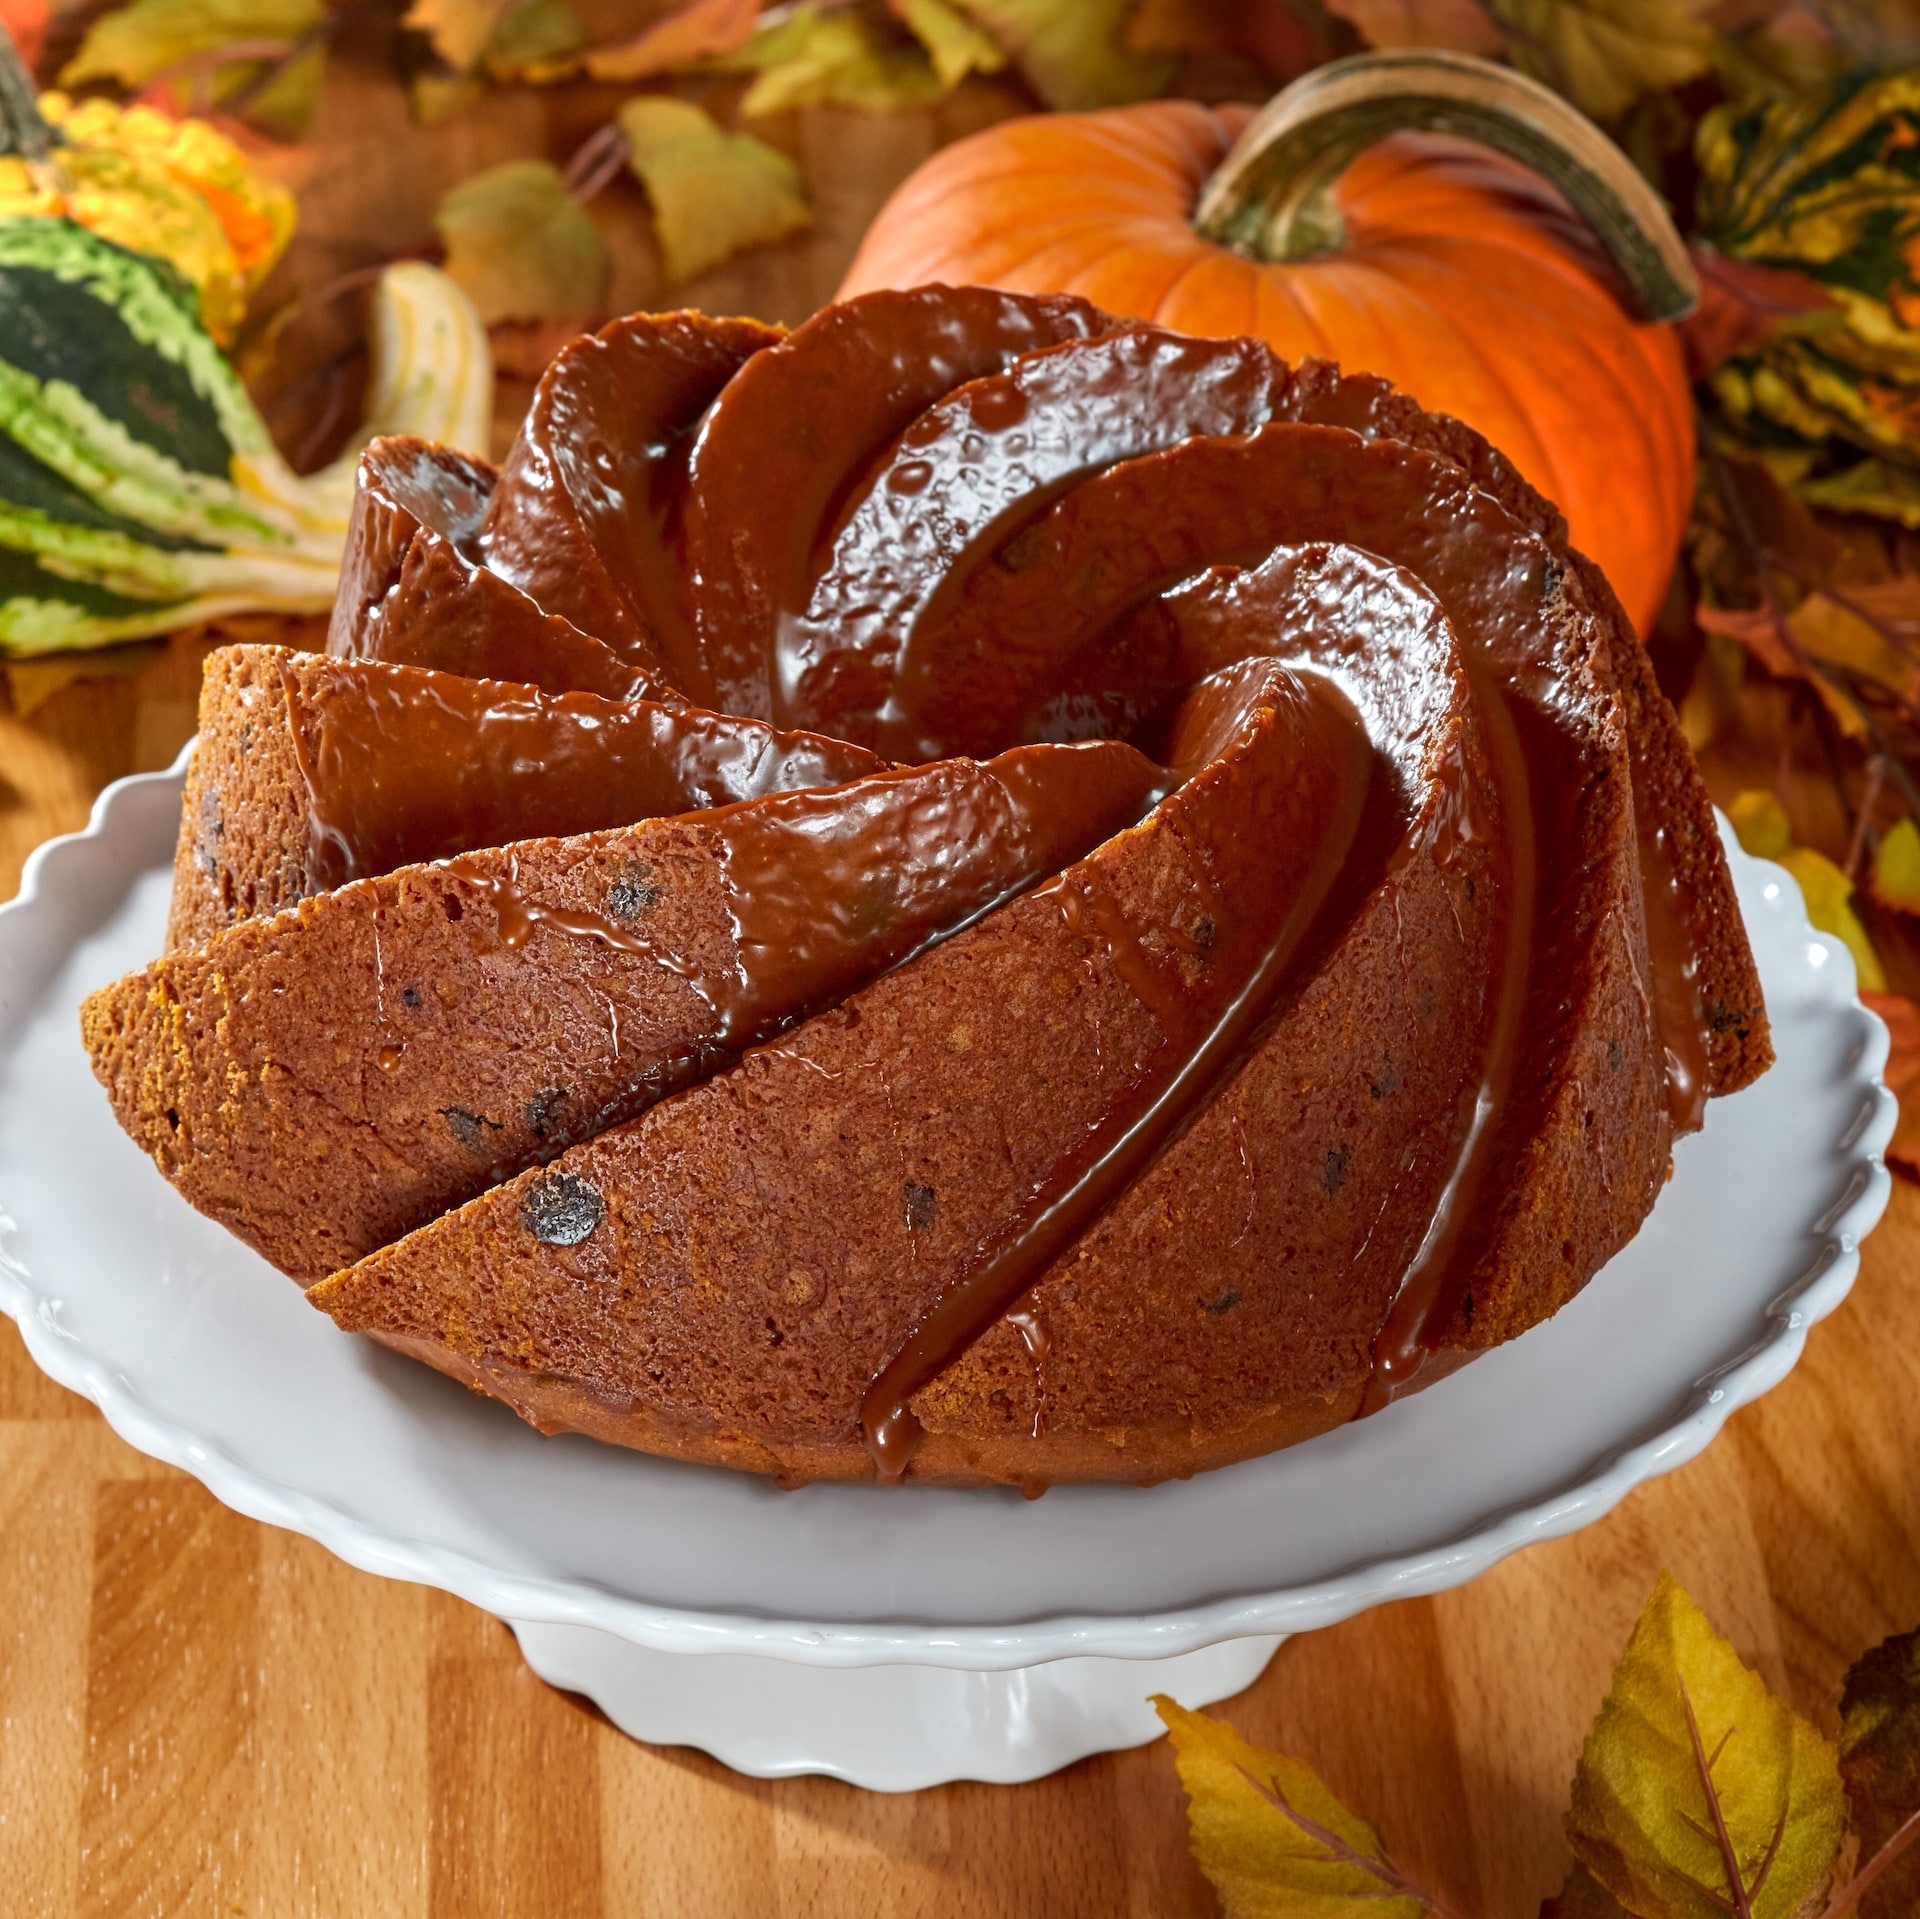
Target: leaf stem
(1849, 1895)
(1741, 1903)
(1382, 1869)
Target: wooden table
(199, 1715)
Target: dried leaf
(953, 43)
(135, 43)
(1263, 1861)
(1606, 54)
(1903, 1156)
(812, 58)
(534, 33)
(1761, 823)
(459, 30)
(1690, 1743)
(1880, 1703)
(1462, 26)
(713, 192)
(1741, 306)
(1070, 52)
(1895, 879)
(678, 39)
(1278, 39)
(1835, 632)
(520, 247)
(1583, 1897)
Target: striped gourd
(139, 487)
(1828, 184)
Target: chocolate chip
(632, 893)
(1224, 1304)
(1205, 932)
(470, 1129)
(409, 996)
(1335, 1176)
(561, 1209)
(921, 1206)
(1614, 1054)
(1386, 1085)
(543, 1109)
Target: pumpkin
(1327, 227)
(139, 488)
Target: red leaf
(1740, 305)
(1903, 1077)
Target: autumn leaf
(1605, 54)
(812, 58)
(1741, 306)
(1880, 1712)
(134, 44)
(1695, 1773)
(1761, 823)
(953, 43)
(678, 39)
(713, 192)
(1278, 39)
(459, 30)
(1273, 1840)
(26, 21)
(520, 247)
(1071, 52)
(1895, 879)
(1878, 487)
(534, 33)
(1583, 1897)
(1461, 26)
(1903, 1155)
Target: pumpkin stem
(23, 127)
(1272, 196)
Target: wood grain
(199, 1716)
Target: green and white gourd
(139, 488)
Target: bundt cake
(975, 892)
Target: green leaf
(713, 192)
(1267, 1863)
(1688, 1744)
(1071, 52)
(521, 248)
(138, 42)
(954, 45)
(1606, 54)
(1875, 487)
(843, 59)
(1880, 1744)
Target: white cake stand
(899, 1637)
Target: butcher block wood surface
(200, 1715)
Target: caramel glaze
(410, 593)
(1325, 783)
(830, 888)
(584, 519)
(794, 435)
(404, 765)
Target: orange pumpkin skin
(1464, 279)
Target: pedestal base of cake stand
(887, 1728)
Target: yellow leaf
(1896, 869)
(1606, 54)
(954, 45)
(688, 34)
(843, 59)
(1682, 1712)
(1880, 1754)
(1761, 823)
(713, 192)
(1263, 1863)
(534, 33)
(460, 30)
(1071, 52)
(1837, 634)
(1877, 487)
(520, 247)
(135, 43)
(1463, 26)
(1903, 1156)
